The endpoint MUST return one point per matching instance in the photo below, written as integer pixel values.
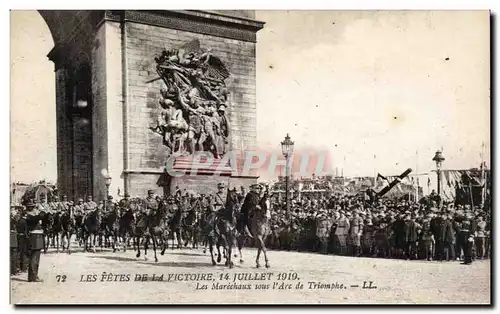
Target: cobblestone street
(334, 278)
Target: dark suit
(22, 244)
(13, 247)
(34, 251)
(438, 228)
(251, 201)
(411, 236)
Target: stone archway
(72, 35)
(102, 61)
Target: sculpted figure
(193, 100)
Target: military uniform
(35, 244)
(45, 207)
(252, 199)
(466, 241)
(13, 246)
(89, 206)
(125, 202)
(341, 232)
(219, 201)
(22, 243)
(150, 202)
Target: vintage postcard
(250, 157)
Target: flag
(382, 177)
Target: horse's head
(232, 199)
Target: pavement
(187, 277)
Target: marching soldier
(35, 242)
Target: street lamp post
(438, 158)
(287, 148)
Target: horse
(91, 229)
(191, 227)
(175, 224)
(67, 229)
(259, 228)
(47, 219)
(110, 226)
(126, 222)
(224, 225)
(56, 229)
(157, 228)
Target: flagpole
(483, 179)
(416, 170)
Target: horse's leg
(218, 245)
(62, 236)
(164, 240)
(154, 246)
(56, 236)
(146, 243)
(46, 243)
(258, 256)
(179, 239)
(125, 240)
(263, 248)
(241, 243)
(211, 247)
(137, 241)
(68, 235)
(93, 242)
(187, 237)
(114, 238)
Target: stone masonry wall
(145, 148)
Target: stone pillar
(107, 119)
(64, 130)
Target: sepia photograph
(248, 157)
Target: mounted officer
(55, 204)
(124, 203)
(109, 205)
(151, 203)
(219, 199)
(64, 205)
(89, 206)
(252, 200)
(43, 205)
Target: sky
(380, 91)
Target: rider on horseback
(151, 202)
(219, 202)
(90, 205)
(252, 200)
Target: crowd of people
(348, 225)
(338, 224)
